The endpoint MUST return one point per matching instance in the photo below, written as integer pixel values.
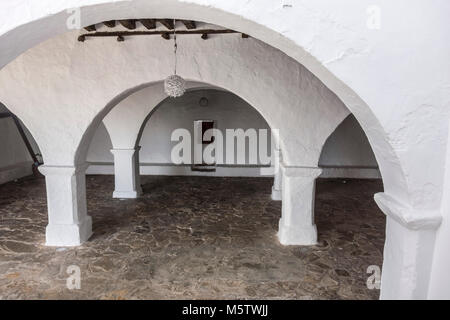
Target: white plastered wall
(390, 78)
(86, 77)
(346, 154)
(332, 40)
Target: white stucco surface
(348, 147)
(228, 62)
(329, 38)
(346, 153)
(395, 79)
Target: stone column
(68, 222)
(277, 180)
(297, 225)
(408, 250)
(126, 173)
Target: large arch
(264, 26)
(227, 62)
(332, 41)
(139, 105)
(137, 108)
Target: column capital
(406, 215)
(56, 170)
(124, 151)
(300, 172)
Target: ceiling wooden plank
(148, 23)
(189, 24)
(168, 23)
(110, 23)
(90, 28)
(129, 24)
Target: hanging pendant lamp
(174, 85)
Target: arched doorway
(403, 198)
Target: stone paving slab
(192, 238)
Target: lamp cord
(175, 44)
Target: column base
(276, 194)
(68, 235)
(126, 194)
(296, 235)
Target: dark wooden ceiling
(151, 25)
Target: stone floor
(192, 238)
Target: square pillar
(68, 222)
(126, 173)
(297, 225)
(277, 180)
(408, 250)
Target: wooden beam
(110, 23)
(168, 23)
(165, 34)
(129, 24)
(189, 24)
(5, 115)
(90, 28)
(149, 23)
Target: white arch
(333, 42)
(229, 62)
(302, 22)
(135, 108)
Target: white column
(277, 180)
(408, 251)
(297, 225)
(68, 222)
(126, 173)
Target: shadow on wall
(18, 149)
(347, 153)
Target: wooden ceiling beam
(189, 24)
(148, 23)
(90, 28)
(168, 23)
(110, 23)
(129, 24)
(165, 34)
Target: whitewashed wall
(394, 78)
(346, 154)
